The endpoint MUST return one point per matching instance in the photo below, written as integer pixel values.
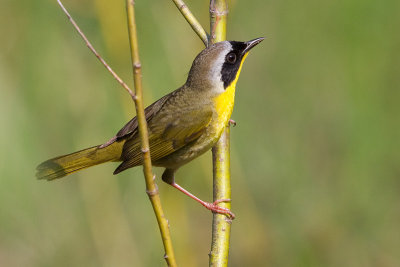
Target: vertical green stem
(221, 227)
(151, 187)
(218, 16)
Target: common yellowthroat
(181, 125)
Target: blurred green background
(315, 154)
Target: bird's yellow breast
(224, 106)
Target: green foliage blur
(315, 154)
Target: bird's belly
(192, 150)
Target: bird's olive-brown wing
(177, 131)
(174, 125)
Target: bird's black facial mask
(234, 59)
(232, 62)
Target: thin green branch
(193, 22)
(90, 46)
(151, 187)
(221, 228)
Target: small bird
(181, 125)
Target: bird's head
(218, 66)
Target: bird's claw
(221, 210)
(232, 122)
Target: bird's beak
(252, 43)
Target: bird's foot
(217, 209)
(232, 122)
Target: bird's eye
(231, 58)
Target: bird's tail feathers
(64, 165)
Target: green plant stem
(91, 48)
(221, 228)
(193, 22)
(151, 187)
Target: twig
(193, 22)
(221, 227)
(151, 187)
(221, 155)
(90, 46)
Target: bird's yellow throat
(225, 101)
